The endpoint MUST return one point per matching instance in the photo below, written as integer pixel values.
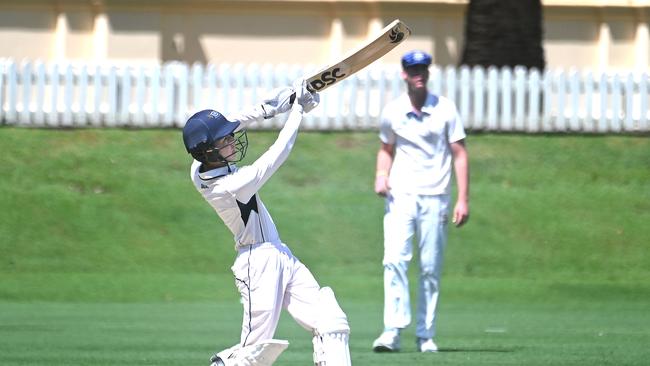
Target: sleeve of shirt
(455, 132)
(247, 116)
(386, 133)
(249, 179)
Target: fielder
(268, 276)
(421, 136)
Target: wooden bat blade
(389, 37)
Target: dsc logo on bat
(326, 78)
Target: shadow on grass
(486, 350)
(458, 350)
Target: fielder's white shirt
(423, 158)
(233, 195)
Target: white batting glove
(278, 101)
(304, 97)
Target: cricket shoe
(426, 345)
(216, 361)
(388, 341)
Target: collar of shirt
(427, 108)
(217, 172)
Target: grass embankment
(109, 256)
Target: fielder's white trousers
(269, 278)
(406, 216)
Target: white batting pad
(263, 353)
(332, 332)
(331, 349)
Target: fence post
(170, 92)
(382, 84)
(534, 105)
(492, 99)
(80, 116)
(2, 88)
(520, 98)
(197, 87)
(548, 100)
(376, 101)
(643, 103)
(587, 118)
(253, 82)
(140, 96)
(224, 78)
(364, 120)
(277, 77)
(266, 83)
(41, 79)
(349, 86)
(479, 96)
(240, 84)
(212, 85)
(574, 92)
(629, 103)
(98, 89)
(506, 99)
(111, 116)
(617, 103)
(12, 90)
(451, 84)
(125, 100)
(465, 88)
(183, 97)
(435, 79)
(53, 116)
(603, 91)
(68, 96)
(26, 81)
(560, 121)
(153, 117)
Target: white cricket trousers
(406, 216)
(269, 278)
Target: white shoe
(387, 342)
(427, 345)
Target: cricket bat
(389, 37)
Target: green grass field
(109, 257)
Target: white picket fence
(72, 95)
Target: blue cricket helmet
(416, 57)
(206, 127)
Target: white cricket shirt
(234, 194)
(423, 158)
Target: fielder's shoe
(427, 345)
(388, 341)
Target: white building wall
(591, 34)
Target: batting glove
(308, 100)
(278, 101)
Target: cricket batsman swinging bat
(389, 37)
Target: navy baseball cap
(416, 57)
(206, 127)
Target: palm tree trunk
(504, 33)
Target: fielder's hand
(461, 213)
(381, 185)
(278, 101)
(304, 97)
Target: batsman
(268, 276)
